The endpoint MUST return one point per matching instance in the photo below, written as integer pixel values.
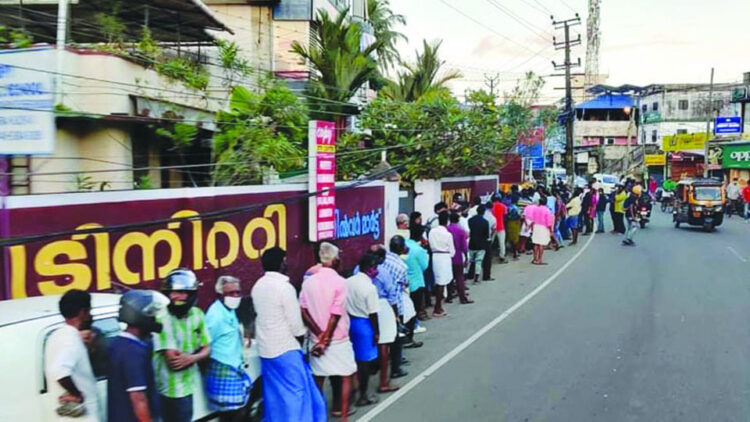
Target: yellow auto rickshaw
(699, 202)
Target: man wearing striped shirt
(182, 343)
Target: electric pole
(710, 112)
(569, 113)
(491, 82)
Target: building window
(682, 131)
(645, 108)
(610, 141)
(653, 136)
(683, 104)
(655, 107)
(718, 105)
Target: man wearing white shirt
(443, 249)
(289, 390)
(67, 368)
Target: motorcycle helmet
(140, 308)
(637, 189)
(181, 280)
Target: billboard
(322, 179)
(139, 256)
(27, 118)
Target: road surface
(659, 332)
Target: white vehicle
(606, 181)
(26, 324)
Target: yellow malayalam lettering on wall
(101, 251)
(197, 235)
(147, 244)
(45, 266)
(18, 271)
(247, 237)
(233, 237)
(280, 211)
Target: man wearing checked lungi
(227, 384)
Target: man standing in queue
(183, 342)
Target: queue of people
(344, 329)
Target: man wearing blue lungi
(289, 390)
(227, 384)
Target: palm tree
(340, 65)
(383, 21)
(421, 78)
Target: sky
(642, 41)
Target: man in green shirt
(182, 343)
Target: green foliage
(341, 66)
(421, 78)
(147, 46)
(18, 38)
(259, 130)
(232, 61)
(182, 134)
(112, 27)
(62, 109)
(185, 71)
(86, 184)
(434, 136)
(383, 21)
(143, 182)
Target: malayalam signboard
(27, 118)
(140, 256)
(736, 156)
(684, 142)
(322, 182)
(728, 125)
(656, 159)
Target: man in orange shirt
(499, 210)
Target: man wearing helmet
(182, 343)
(131, 390)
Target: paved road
(653, 333)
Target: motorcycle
(645, 214)
(667, 200)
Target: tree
(340, 65)
(421, 78)
(259, 131)
(384, 21)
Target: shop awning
(610, 101)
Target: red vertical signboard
(322, 171)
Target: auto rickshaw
(699, 202)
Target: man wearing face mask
(227, 385)
(131, 390)
(183, 342)
(70, 377)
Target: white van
(25, 326)
(606, 181)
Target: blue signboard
(728, 125)
(533, 154)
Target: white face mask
(232, 302)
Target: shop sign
(322, 180)
(736, 156)
(684, 142)
(655, 159)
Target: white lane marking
(468, 342)
(737, 254)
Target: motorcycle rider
(131, 389)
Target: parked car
(606, 181)
(29, 323)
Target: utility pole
(491, 82)
(569, 113)
(710, 110)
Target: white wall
(427, 195)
